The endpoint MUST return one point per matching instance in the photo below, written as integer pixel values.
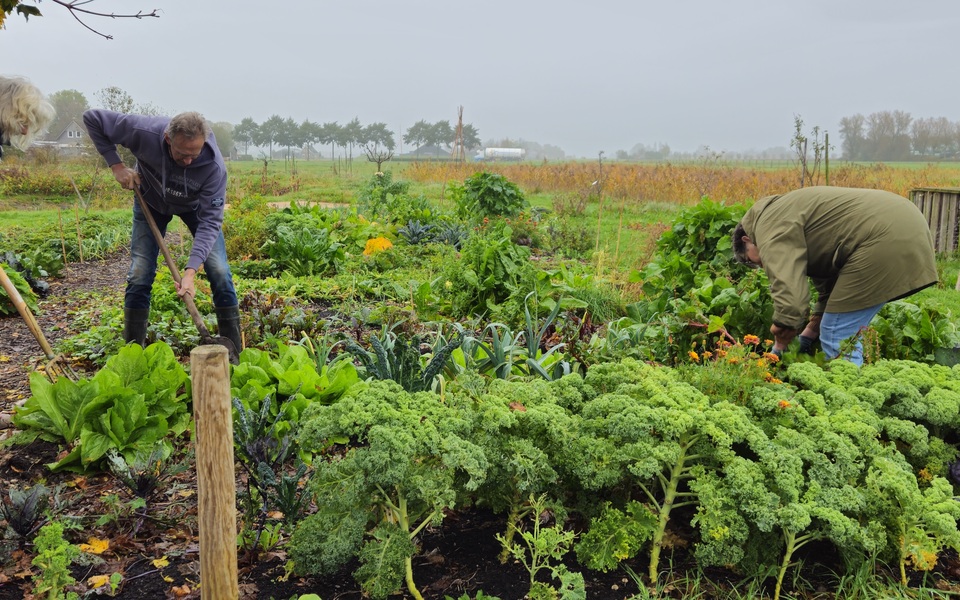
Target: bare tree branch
(74, 6)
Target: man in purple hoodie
(179, 171)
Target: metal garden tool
(205, 336)
(57, 365)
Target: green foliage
(567, 238)
(270, 486)
(379, 195)
(405, 455)
(245, 229)
(693, 288)
(615, 536)
(299, 241)
(415, 233)
(491, 269)
(54, 556)
(540, 546)
(26, 293)
(398, 358)
(128, 406)
(910, 331)
(487, 195)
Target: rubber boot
(228, 326)
(135, 325)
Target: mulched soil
(457, 558)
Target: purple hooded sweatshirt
(167, 187)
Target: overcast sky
(587, 76)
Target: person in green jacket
(860, 248)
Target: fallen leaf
(180, 591)
(98, 581)
(518, 407)
(95, 546)
(161, 562)
(168, 579)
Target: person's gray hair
(189, 125)
(22, 105)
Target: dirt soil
(158, 554)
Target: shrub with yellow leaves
(377, 244)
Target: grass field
(623, 206)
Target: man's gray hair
(22, 105)
(189, 125)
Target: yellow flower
(707, 354)
(693, 356)
(783, 404)
(377, 244)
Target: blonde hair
(22, 105)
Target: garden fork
(57, 365)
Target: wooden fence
(940, 206)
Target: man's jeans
(837, 327)
(143, 262)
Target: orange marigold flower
(767, 342)
(774, 380)
(783, 404)
(751, 339)
(693, 355)
(377, 244)
(721, 353)
(707, 354)
(771, 357)
(724, 343)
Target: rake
(57, 365)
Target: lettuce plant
(128, 406)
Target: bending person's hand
(810, 334)
(127, 178)
(186, 284)
(782, 336)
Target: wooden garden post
(216, 483)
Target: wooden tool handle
(24, 311)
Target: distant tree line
(897, 136)
(375, 139)
(287, 133)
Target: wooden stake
(63, 243)
(76, 213)
(216, 483)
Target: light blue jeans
(143, 262)
(837, 327)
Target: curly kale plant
(405, 463)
